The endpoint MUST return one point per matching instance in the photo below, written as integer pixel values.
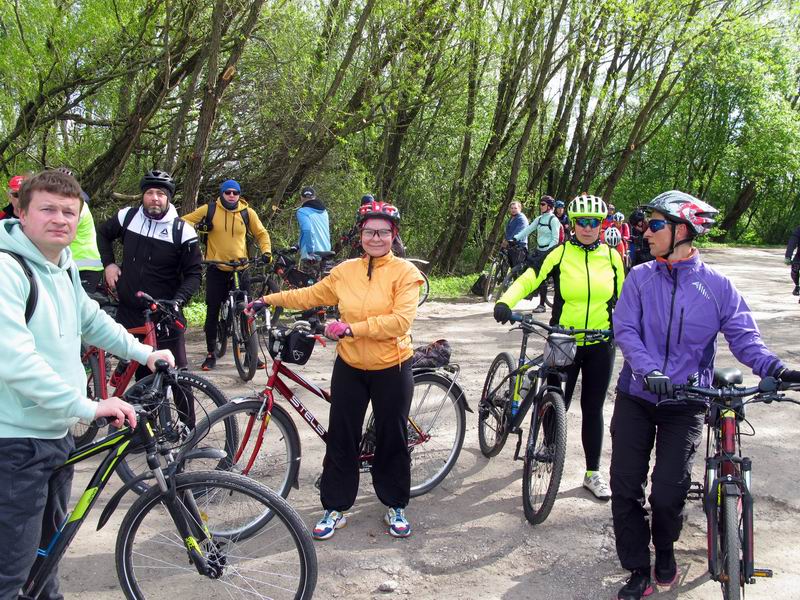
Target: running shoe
(209, 363)
(328, 524)
(597, 485)
(666, 569)
(637, 587)
(399, 526)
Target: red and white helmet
(613, 237)
(679, 207)
(379, 210)
(15, 182)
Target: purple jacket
(668, 321)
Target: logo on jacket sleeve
(702, 289)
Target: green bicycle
(207, 534)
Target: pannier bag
(292, 346)
(435, 354)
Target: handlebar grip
(517, 317)
(145, 296)
(101, 422)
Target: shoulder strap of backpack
(177, 232)
(128, 218)
(33, 294)
(246, 219)
(212, 208)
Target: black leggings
(218, 284)
(796, 272)
(352, 389)
(595, 363)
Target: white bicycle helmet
(586, 205)
(618, 217)
(613, 237)
(679, 207)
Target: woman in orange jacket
(377, 297)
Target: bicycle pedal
(762, 573)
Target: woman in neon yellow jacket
(588, 278)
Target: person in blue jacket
(666, 324)
(312, 218)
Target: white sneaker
(597, 485)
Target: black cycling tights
(595, 363)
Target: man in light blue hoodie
(42, 380)
(312, 218)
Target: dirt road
(471, 539)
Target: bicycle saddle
(727, 376)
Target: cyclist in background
(639, 248)
(231, 220)
(588, 278)
(563, 218)
(42, 380)
(547, 228)
(10, 211)
(351, 239)
(793, 247)
(377, 296)
(516, 223)
(312, 219)
(160, 256)
(666, 325)
(621, 240)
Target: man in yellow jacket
(227, 220)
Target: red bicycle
(267, 445)
(193, 395)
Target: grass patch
(195, 313)
(451, 286)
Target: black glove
(789, 376)
(502, 312)
(265, 258)
(658, 383)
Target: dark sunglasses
(234, 192)
(656, 225)
(14, 194)
(588, 222)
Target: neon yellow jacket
(587, 285)
(84, 246)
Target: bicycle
(510, 391)
(436, 423)
(214, 527)
(285, 273)
(192, 391)
(425, 288)
(726, 489)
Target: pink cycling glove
(336, 330)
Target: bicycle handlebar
(529, 323)
(241, 262)
(766, 391)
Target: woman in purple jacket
(666, 325)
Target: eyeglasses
(373, 233)
(232, 192)
(588, 222)
(656, 225)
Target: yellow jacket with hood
(227, 239)
(378, 301)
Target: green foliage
(195, 313)
(451, 286)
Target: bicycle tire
(277, 463)
(548, 291)
(492, 277)
(245, 348)
(731, 548)
(223, 329)
(275, 311)
(135, 463)
(272, 558)
(83, 433)
(441, 417)
(424, 289)
(544, 459)
(492, 411)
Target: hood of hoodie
(13, 238)
(314, 203)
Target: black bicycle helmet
(157, 179)
(367, 199)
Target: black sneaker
(666, 569)
(261, 365)
(209, 363)
(637, 587)
(796, 291)
(540, 309)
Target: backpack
(206, 224)
(479, 286)
(33, 293)
(560, 227)
(177, 227)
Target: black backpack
(479, 286)
(33, 293)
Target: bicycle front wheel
(495, 275)
(245, 347)
(544, 457)
(436, 426)
(731, 548)
(223, 328)
(247, 555)
(274, 463)
(193, 397)
(493, 405)
(424, 289)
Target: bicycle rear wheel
(437, 423)
(249, 555)
(493, 406)
(424, 289)
(275, 464)
(245, 347)
(191, 394)
(731, 540)
(544, 457)
(84, 433)
(495, 275)
(276, 311)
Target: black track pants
(796, 271)
(594, 363)
(636, 426)
(218, 284)
(390, 391)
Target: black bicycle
(286, 274)
(512, 388)
(726, 490)
(209, 534)
(236, 325)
